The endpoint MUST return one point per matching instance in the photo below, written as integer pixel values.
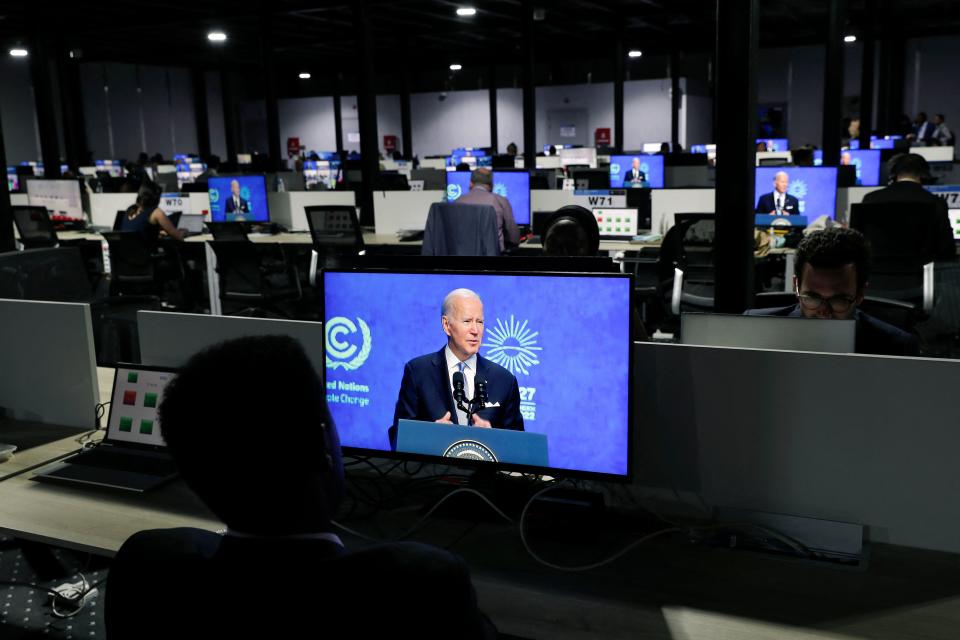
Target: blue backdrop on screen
(513, 185)
(252, 194)
(867, 162)
(814, 187)
(649, 164)
(775, 144)
(574, 381)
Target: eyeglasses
(812, 302)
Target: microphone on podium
(459, 395)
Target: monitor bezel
(503, 466)
(113, 391)
(266, 193)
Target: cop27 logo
(342, 354)
(798, 188)
(513, 346)
(500, 189)
(454, 191)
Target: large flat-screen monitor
(651, 166)
(866, 161)
(513, 185)
(62, 198)
(775, 144)
(815, 188)
(238, 198)
(553, 365)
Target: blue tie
(461, 366)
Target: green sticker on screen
(146, 427)
(126, 424)
(132, 377)
(150, 400)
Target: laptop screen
(137, 392)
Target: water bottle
(280, 187)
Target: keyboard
(125, 461)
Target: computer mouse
(6, 451)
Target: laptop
(132, 456)
(768, 332)
(192, 223)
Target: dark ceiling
(573, 40)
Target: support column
(867, 74)
(736, 106)
(367, 110)
(833, 84)
(41, 73)
(676, 98)
(71, 104)
(406, 128)
(619, 69)
(492, 80)
(200, 111)
(7, 242)
(231, 126)
(274, 147)
(529, 88)
(892, 67)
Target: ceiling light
(17, 52)
(456, 67)
(635, 53)
(466, 11)
(304, 76)
(849, 38)
(217, 36)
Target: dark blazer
(631, 174)
(167, 581)
(925, 130)
(766, 204)
(873, 336)
(244, 206)
(940, 232)
(426, 393)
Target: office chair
(257, 275)
(903, 248)
(454, 229)
(571, 231)
(685, 264)
(34, 226)
(56, 274)
(228, 231)
(131, 265)
(335, 232)
(118, 220)
(175, 218)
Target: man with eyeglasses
(830, 283)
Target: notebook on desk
(132, 456)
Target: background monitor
(62, 198)
(866, 161)
(252, 193)
(554, 344)
(652, 147)
(13, 180)
(650, 164)
(513, 185)
(775, 144)
(112, 167)
(814, 187)
(244, 158)
(586, 156)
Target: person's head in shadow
(571, 231)
(265, 465)
(832, 270)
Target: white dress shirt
(469, 373)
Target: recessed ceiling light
(17, 52)
(456, 67)
(635, 53)
(304, 76)
(849, 38)
(217, 36)
(466, 11)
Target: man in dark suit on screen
(237, 205)
(426, 391)
(635, 178)
(272, 472)
(778, 202)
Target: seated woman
(147, 218)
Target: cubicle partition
(848, 438)
(48, 363)
(287, 207)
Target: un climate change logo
(513, 346)
(342, 354)
(214, 196)
(453, 191)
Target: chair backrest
(571, 231)
(228, 231)
(118, 220)
(130, 257)
(898, 232)
(239, 266)
(335, 229)
(175, 218)
(455, 229)
(34, 226)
